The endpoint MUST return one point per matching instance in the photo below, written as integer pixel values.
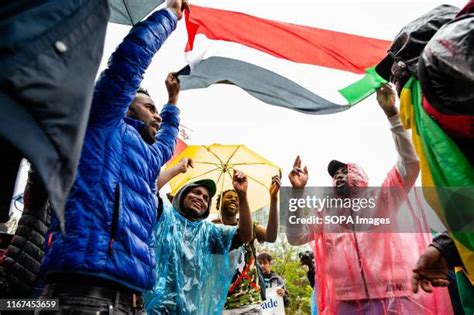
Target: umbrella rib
(254, 163)
(210, 171)
(206, 163)
(257, 181)
(248, 176)
(128, 12)
(221, 200)
(230, 175)
(219, 178)
(217, 157)
(233, 153)
(230, 168)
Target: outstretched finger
(239, 175)
(278, 183)
(431, 274)
(425, 285)
(440, 282)
(297, 162)
(415, 282)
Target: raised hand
(173, 87)
(178, 6)
(184, 163)
(240, 182)
(275, 186)
(298, 176)
(386, 96)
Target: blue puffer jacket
(111, 210)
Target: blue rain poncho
(193, 271)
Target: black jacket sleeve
(447, 248)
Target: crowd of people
(96, 234)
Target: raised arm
(240, 183)
(166, 136)
(298, 234)
(407, 163)
(270, 233)
(118, 84)
(168, 174)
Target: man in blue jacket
(104, 260)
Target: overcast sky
(227, 115)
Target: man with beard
(366, 272)
(244, 296)
(103, 258)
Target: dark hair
(221, 195)
(131, 110)
(306, 254)
(265, 256)
(142, 90)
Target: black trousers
(91, 300)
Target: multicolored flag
(254, 54)
(183, 137)
(446, 168)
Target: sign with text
(373, 210)
(273, 305)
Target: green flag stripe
(359, 90)
(449, 168)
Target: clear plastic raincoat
(193, 270)
(369, 271)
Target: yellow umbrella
(218, 162)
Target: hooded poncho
(354, 268)
(193, 269)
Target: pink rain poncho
(370, 272)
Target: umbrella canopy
(130, 12)
(218, 162)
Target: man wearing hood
(194, 270)
(361, 272)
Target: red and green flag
(281, 64)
